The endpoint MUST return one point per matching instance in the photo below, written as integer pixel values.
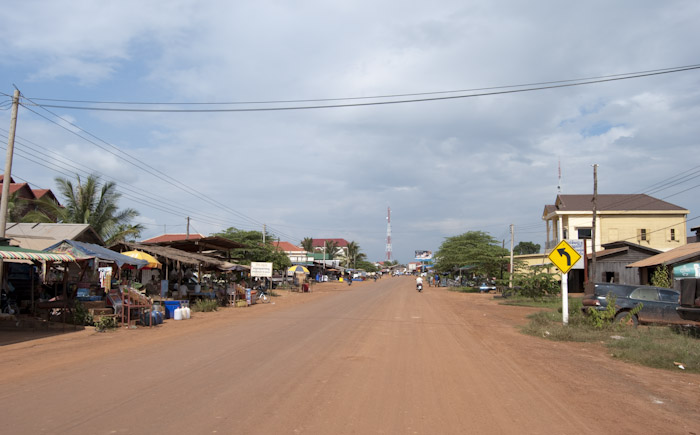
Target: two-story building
(640, 223)
(635, 218)
(296, 254)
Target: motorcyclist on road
(419, 283)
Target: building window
(584, 233)
(673, 234)
(642, 234)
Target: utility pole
(512, 236)
(264, 231)
(187, 237)
(8, 172)
(592, 271)
(8, 164)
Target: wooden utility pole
(8, 173)
(592, 271)
(187, 237)
(512, 236)
(8, 165)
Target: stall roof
(84, 251)
(8, 252)
(176, 255)
(203, 244)
(40, 236)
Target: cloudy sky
(443, 166)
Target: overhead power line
(417, 97)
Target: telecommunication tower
(388, 234)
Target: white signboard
(261, 269)
(577, 244)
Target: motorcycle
(349, 280)
(8, 304)
(419, 287)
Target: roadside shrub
(536, 284)
(205, 305)
(105, 323)
(81, 315)
(660, 277)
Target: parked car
(658, 304)
(486, 287)
(689, 308)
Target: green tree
(660, 277)
(89, 201)
(354, 255)
(331, 249)
(254, 249)
(524, 248)
(308, 244)
(367, 266)
(473, 248)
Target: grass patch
(205, 305)
(651, 346)
(522, 301)
(463, 289)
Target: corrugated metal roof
(673, 256)
(40, 236)
(164, 238)
(614, 202)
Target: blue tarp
(82, 250)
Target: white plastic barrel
(178, 314)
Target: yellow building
(634, 218)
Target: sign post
(564, 257)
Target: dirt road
(372, 358)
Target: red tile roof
(172, 238)
(319, 243)
(288, 247)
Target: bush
(205, 305)
(536, 284)
(81, 315)
(105, 323)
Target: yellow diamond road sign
(564, 256)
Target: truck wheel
(624, 318)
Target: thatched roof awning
(177, 255)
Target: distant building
(30, 197)
(636, 218)
(167, 238)
(320, 244)
(296, 254)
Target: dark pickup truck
(689, 308)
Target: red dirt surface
(369, 358)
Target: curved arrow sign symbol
(562, 252)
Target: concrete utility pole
(512, 236)
(264, 231)
(592, 271)
(187, 236)
(8, 164)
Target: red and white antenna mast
(388, 234)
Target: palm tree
(308, 244)
(331, 248)
(354, 254)
(353, 250)
(89, 202)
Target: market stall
(97, 279)
(16, 297)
